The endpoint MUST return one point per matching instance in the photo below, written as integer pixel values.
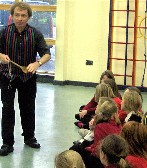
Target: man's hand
(4, 58)
(33, 67)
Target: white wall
(82, 34)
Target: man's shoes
(32, 143)
(6, 149)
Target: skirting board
(50, 79)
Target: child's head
(135, 134)
(101, 101)
(103, 90)
(113, 149)
(133, 88)
(107, 74)
(131, 101)
(107, 111)
(69, 159)
(113, 86)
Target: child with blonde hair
(113, 86)
(89, 134)
(86, 111)
(106, 123)
(69, 159)
(122, 113)
(131, 104)
(102, 90)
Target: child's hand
(91, 122)
(82, 113)
(4, 58)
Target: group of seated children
(115, 130)
(106, 88)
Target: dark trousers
(89, 160)
(26, 99)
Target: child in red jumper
(89, 109)
(135, 134)
(102, 90)
(122, 113)
(131, 104)
(89, 136)
(105, 124)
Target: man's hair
(22, 6)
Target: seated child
(69, 159)
(102, 90)
(89, 134)
(89, 109)
(105, 123)
(113, 150)
(135, 134)
(131, 104)
(113, 86)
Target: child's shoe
(79, 124)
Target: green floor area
(55, 131)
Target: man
(19, 42)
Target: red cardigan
(118, 102)
(101, 131)
(91, 106)
(122, 115)
(136, 162)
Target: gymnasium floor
(55, 131)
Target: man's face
(20, 18)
